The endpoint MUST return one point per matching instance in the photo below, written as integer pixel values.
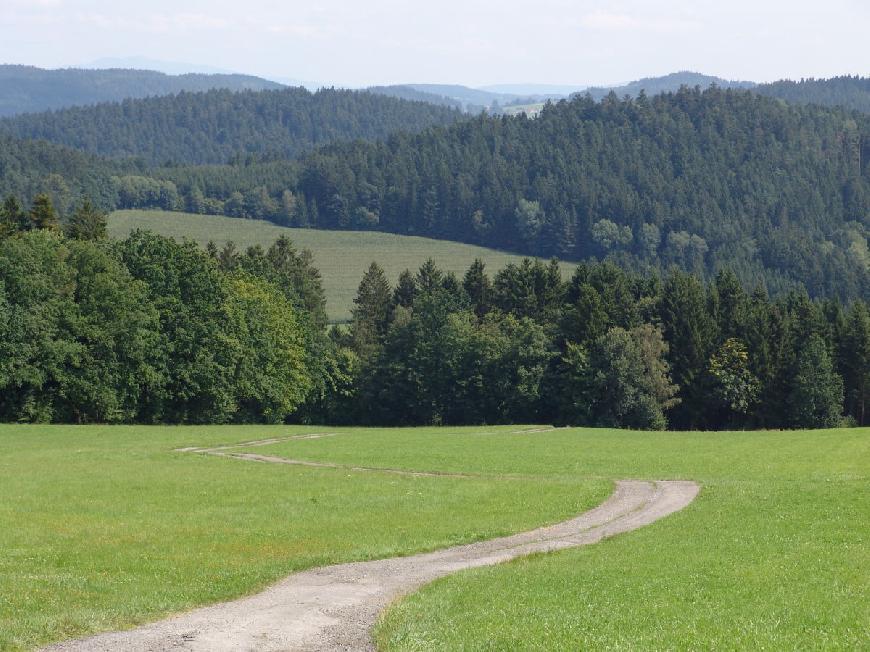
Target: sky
(471, 42)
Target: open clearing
(110, 527)
(341, 256)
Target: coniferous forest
(703, 180)
(220, 125)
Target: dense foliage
(607, 348)
(219, 125)
(27, 89)
(846, 91)
(29, 168)
(148, 330)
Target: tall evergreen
(42, 214)
(816, 397)
(689, 330)
(87, 223)
(371, 311)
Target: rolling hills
(27, 89)
(217, 125)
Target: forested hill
(219, 125)
(665, 84)
(846, 91)
(701, 179)
(28, 168)
(27, 89)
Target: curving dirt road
(334, 608)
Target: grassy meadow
(341, 256)
(105, 527)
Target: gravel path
(335, 607)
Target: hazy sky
(472, 42)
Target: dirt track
(334, 608)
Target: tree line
(148, 330)
(605, 348)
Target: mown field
(106, 527)
(341, 256)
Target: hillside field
(341, 256)
(109, 526)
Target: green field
(105, 527)
(341, 256)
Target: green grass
(105, 527)
(341, 256)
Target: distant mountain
(665, 84)
(219, 125)
(539, 90)
(846, 91)
(159, 65)
(27, 89)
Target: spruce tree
(87, 223)
(13, 219)
(478, 287)
(406, 290)
(856, 363)
(816, 396)
(371, 314)
(42, 213)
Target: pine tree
(87, 223)
(13, 219)
(371, 314)
(478, 287)
(406, 290)
(856, 363)
(816, 396)
(689, 330)
(42, 213)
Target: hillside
(27, 89)
(664, 84)
(698, 179)
(218, 125)
(341, 256)
(846, 91)
(28, 168)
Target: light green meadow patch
(341, 256)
